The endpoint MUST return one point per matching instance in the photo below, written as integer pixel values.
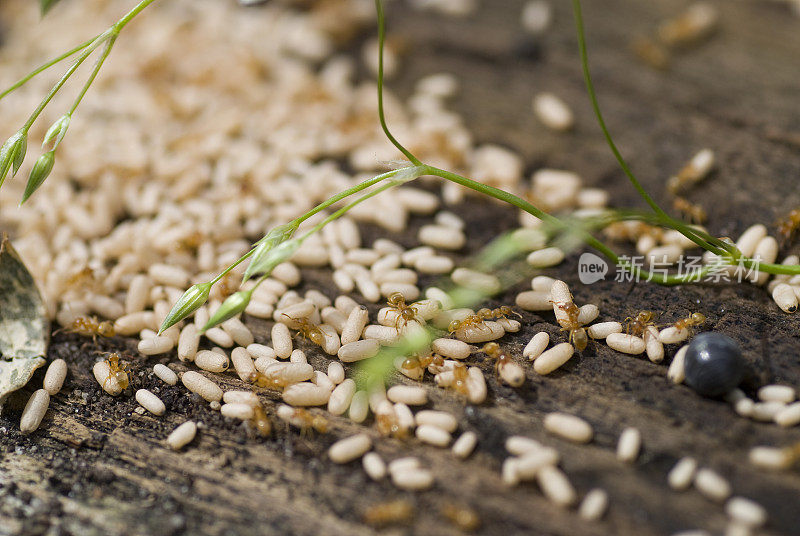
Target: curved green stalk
(121, 23)
(112, 38)
(381, 41)
(322, 206)
(335, 215)
(586, 236)
(342, 211)
(701, 238)
(667, 220)
(47, 65)
(109, 35)
(63, 80)
(736, 258)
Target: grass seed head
(41, 170)
(12, 153)
(191, 300)
(232, 306)
(267, 253)
(57, 131)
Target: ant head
(567, 306)
(491, 348)
(106, 329)
(645, 316)
(698, 318)
(408, 314)
(410, 363)
(317, 337)
(320, 424)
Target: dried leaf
(24, 327)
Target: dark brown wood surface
(96, 467)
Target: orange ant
(630, 230)
(388, 513)
(227, 286)
(641, 325)
(501, 360)
(405, 313)
(303, 419)
(84, 277)
(118, 371)
(89, 326)
(788, 226)
(651, 53)
(692, 321)
(470, 321)
(461, 374)
(638, 326)
(191, 241)
(389, 425)
(260, 421)
(263, 380)
(308, 330)
(501, 312)
(422, 361)
(310, 422)
(463, 517)
(693, 212)
(492, 349)
(577, 333)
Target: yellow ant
(460, 374)
(308, 330)
(788, 226)
(261, 380)
(692, 211)
(260, 421)
(389, 425)
(638, 326)
(117, 371)
(471, 321)
(492, 349)
(405, 313)
(690, 322)
(577, 333)
(84, 277)
(496, 314)
(463, 517)
(388, 513)
(89, 326)
(422, 361)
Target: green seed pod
(12, 153)
(57, 131)
(46, 5)
(277, 235)
(41, 169)
(232, 306)
(191, 300)
(269, 254)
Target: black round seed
(713, 364)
